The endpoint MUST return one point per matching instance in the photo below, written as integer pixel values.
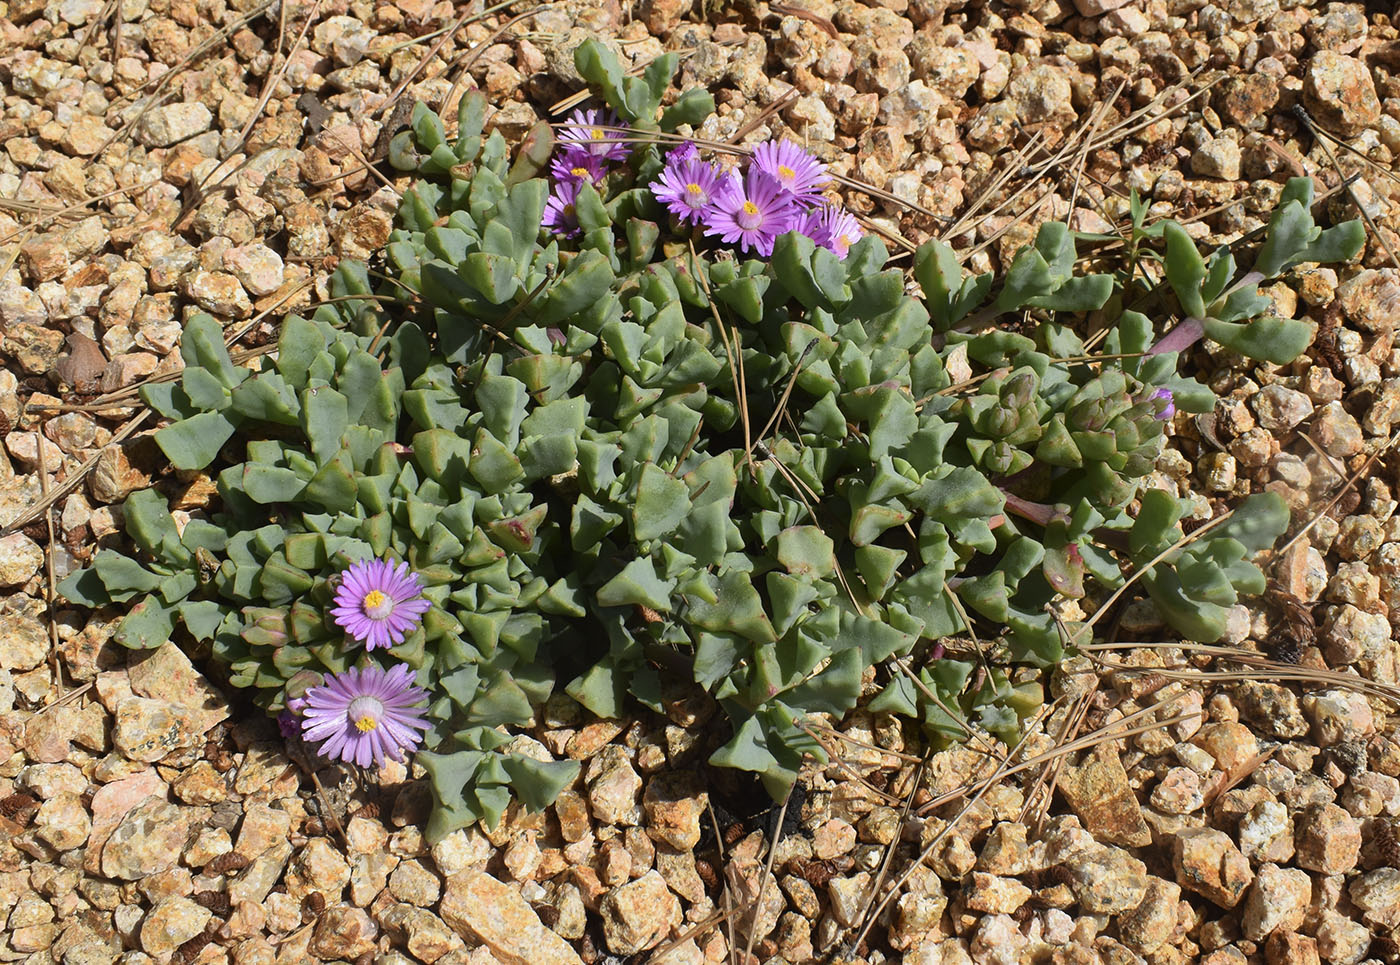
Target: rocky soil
(165, 157)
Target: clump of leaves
(624, 461)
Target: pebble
(1339, 91)
(1207, 862)
(1280, 408)
(415, 884)
(1152, 924)
(639, 915)
(674, 803)
(172, 922)
(173, 123)
(1097, 789)
(1277, 902)
(1107, 880)
(150, 838)
(1217, 158)
(1377, 894)
(24, 642)
(20, 556)
(1327, 838)
(613, 787)
(257, 267)
(485, 911)
(62, 822)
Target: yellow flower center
(579, 172)
(750, 208)
(366, 724)
(599, 133)
(694, 189)
(373, 599)
(786, 173)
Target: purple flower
(378, 603)
(833, 227)
(365, 714)
(585, 130)
(687, 184)
(799, 174)
(559, 211)
(1167, 411)
(289, 724)
(575, 163)
(753, 211)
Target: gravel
(143, 820)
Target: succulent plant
(624, 460)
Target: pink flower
(687, 184)
(365, 715)
(796, 171)
(378, 603)
(752, 211)
(833, 227)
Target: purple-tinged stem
(1186, 334)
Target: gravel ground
(163, 157)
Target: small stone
(149, 839)
(1377, 894)
(369, 873)
(639, 915)
(168, 125)
(1098, 791)
(1278, 901)
(85, 136)
(111, 804)
(1152, 923)
(256, 880)
(1336, 432)
(1179, 792)
(1327, 838)
(262, 828)
(847, 896)
(146, 730)
(1371, 300)
(485, 911)
(1208, 863)
(1217, 158)
(674, 803)
(257, 267)
(1094, 8)
(1280, 408)
(208, 845)
(833, 839)
(201, 784)
(1341, 940)
(1266, 833)
(994, 894)
(1338, 89)
(343, 932)
(415, 884)
(613, 787)
(171, 923)
(425, 935)
(1245, 99)
(1041, 95)
(1339, 715)
(218, 292)
(24, 642)
(320, 868)
(1107, 880)
(63, 822)
(20, 556)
